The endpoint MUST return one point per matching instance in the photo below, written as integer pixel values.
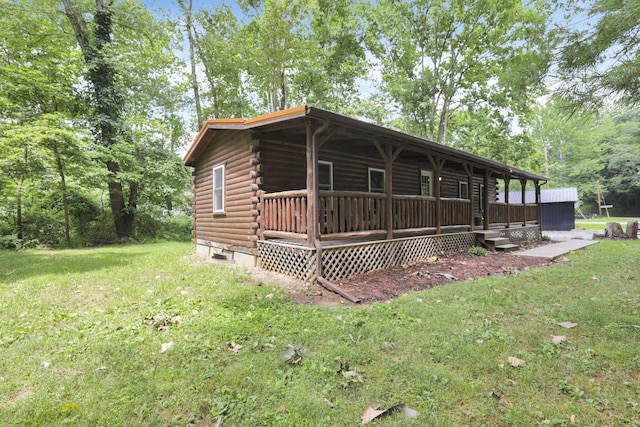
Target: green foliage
(601, 60)
(53, 97)
(439, 57)
(584, 150)
(73, 337)
(477, 251)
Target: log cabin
(321, 196)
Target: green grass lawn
(599, 223)
(75, 348)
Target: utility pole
(546, 165)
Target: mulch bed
(383, 285)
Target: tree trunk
(108, 99)
(192, 58)
(613, 230)
(632, 230)
(63, 188)
(19, 233)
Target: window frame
(330, 164)
(462, 184)
(430, 174)
(384, 180)
(220, 188)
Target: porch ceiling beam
(381, 151)
(324, 138)
(396, 153)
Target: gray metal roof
(551, 195)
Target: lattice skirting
(523, 234)
(295, 261)
(346, 260)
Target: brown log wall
(237, 226)
(284, 165)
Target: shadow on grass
(19, 265)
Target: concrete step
(493, 242)
(509, 247)
(483, 235)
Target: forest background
(99, 98)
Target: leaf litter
(162, 321)
(372, 412)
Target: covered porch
(325, 234)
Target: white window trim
(221, 187)
(460, 185)
(384, 179)
(324, 162)
(425, 172)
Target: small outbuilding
(557, 206)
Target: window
(376, 180)
(463, 189)
(218, 189)
(426, 183)
(325, 175)
(481, 197)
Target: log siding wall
(284, 163)
(235, 228)
(252, 166)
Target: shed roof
(551, 195)
(294, 120)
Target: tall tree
(221, 49)
(129, 67)
(96, 45)
(601, 61)
(439, 56)
(38, 77)
(333, 58)
(187, 9)
(275, 36)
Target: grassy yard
(76, 350)
(599, 223)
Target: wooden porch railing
(284, 212)
(350, 211)
(341, 212)
(519, 213)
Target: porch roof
(294, 120)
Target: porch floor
(334, 243)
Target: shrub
(477, 251)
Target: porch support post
(485, 207)
(523, 183)
(388, 155)
(437, 164)
(538, 204)
(469, 170)
(388, 189)
(312, 207)
(507, 180)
